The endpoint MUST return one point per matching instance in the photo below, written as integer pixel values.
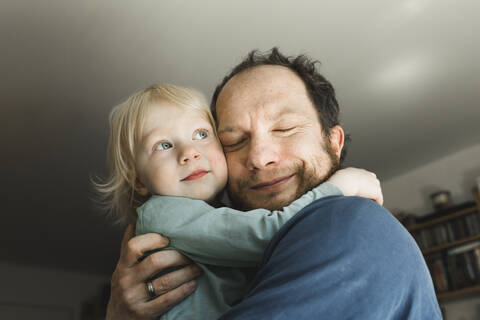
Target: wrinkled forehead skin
(261, 85)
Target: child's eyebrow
(147, 138)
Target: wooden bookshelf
(442, 250)
(449, 295)
(476, 195)
(445, 218)
(450, 245)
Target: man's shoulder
(346, 203)
(351, 210)
(365, 262)
(361, 221)
(372, 240)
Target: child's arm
(224, 236)
(219, 236)
(358, 182)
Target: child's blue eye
(200, 134)
(163, 146)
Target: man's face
(272, 138)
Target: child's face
(179, 154)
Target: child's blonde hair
(118, 193)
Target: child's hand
(358, 182)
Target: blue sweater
(341, 258)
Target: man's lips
(197, 174)
(272, 183)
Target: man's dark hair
(320, 90)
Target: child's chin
(210, 196)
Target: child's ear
(140, 188)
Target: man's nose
(187, 154)
(262, 153)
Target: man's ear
(140, 188)
(337, 140)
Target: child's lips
(197, 174)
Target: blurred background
(406, 73)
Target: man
(341, 257)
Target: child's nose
(188, 153)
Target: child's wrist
(333, 188)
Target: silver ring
(150, 289)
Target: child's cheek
(219, 157)
(220, 166)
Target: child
(167, 170)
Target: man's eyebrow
(226, 129)
(287, 114)
(275, 115)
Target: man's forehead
(261, 84)
(267, 75)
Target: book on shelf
(464, 248)
(450, 241)
(452, 230)
(456, 268)
(438, 273)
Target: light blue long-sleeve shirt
(224, 242)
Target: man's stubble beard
(310, 177)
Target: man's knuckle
(150, 262)
(190, 270)
(123, 284)
(126, 299)
(164, 282)
(186, 289)
(139, 313)
(132, 303)
(157, 260)
(133, 247)
(167, 300)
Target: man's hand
(358, 182)
(129, 298)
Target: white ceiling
(406, 74)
